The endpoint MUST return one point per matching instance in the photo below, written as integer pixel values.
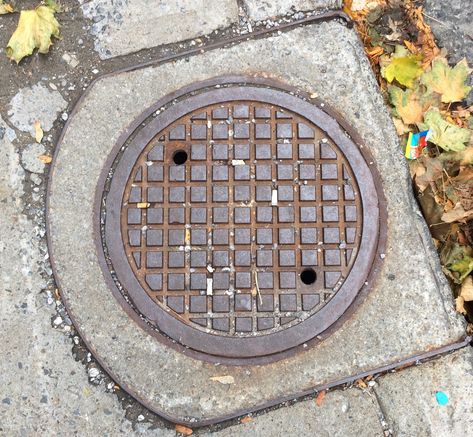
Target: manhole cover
(236, 224)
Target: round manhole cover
(240, 221)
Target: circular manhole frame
(238, 350)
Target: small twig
(435, 19)
(257, 288)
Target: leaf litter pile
(435, 127)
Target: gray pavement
(47, 389)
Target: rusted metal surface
(237, 225)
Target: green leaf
(464, 267)
(447, 81)
(35, 30)
(449, 137)
(402, 66)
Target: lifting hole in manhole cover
(237, 221)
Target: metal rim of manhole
(241, 221)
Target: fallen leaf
(460, 305)
(447, 81)
(466, 291)
(374, 52)
(143, 205)
(411, 47)
(407, 104)
(425, 171)
(446, 135)
(45, 158)
(246, 419)
(226, 379)
(401, 128)
(38, 136)
(320, 397)
(360, 383)
(457, 214)
(183, 430)
(464, 267)
(5, 8)
(35, 29)
(402, 66)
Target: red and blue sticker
(416, 143)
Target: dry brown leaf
(246, 419)
(463, 112)
(143, 205)
(374, 52)
(181, 429)
(360, 383)
(411, 47)
(460, 305)
(427, 170)
(466, 291)
(46, 159)
(401, 128)
(457, 214)
(320, 397)
(38, 132)
(225, 379)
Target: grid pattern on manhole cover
(241, 219)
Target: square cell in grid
(308, 235)
(154, 260)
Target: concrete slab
(43, 391)
(348, 413)
(36, 103)
(122, 27)
(261, 10)
(324, 59)
(408, 398)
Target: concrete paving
(261, 10)
(45, 391)
(409, 398)
(125, 27)
(338, 415)
(403, 295)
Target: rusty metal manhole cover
(240, 221)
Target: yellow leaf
(246, 419)
(447, 81)
(45, 158)
(5, 8)
(143, 205)
(35, 29)
(227, 379)
(401, 66)
(184, 430)
(38, 131)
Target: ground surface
(50, 385)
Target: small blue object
(442, 398)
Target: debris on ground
(434, 124)
(35, 30)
